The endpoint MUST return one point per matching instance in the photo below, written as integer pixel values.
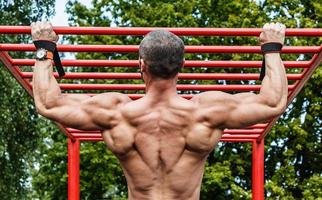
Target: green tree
(18, 121)
(294, 144)
(293, 150)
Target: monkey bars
(254, 134)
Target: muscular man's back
(162, 147)
(162, 140)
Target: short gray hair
(163, 53)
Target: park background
(33, 152)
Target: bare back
(162, 140)
(162, 147)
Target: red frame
(254, 134)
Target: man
(162, 140)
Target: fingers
(266, 26)
(282, 28)
(38, 24)
(43, 30)
(273, 32)
(35, 30)
(57, 38)
(260, 38)
(278, 27)
(47, 27)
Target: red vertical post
(258, 170)
(73, 169)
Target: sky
(61, 17)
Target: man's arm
(73, 110)
(223, 110)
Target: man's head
(162, 53)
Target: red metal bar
(258, 170)
(243, 131)
(188, 63)
(135, 48)
(90, 139)
(73, 169)
(239, 140)
(138, 96)
(132, 96)
(179, 87)
(186, 96)
(145, 30)
(225, 136)
(97, 133)
(222, 140)
(194, 76)
(259, 126)
(142, 87)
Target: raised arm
(73, 110)
(240, 110)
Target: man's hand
(43, 31)
(273, 32)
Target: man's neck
(161, 89)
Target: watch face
(41, 53)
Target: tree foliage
(18, 121)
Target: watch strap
(50, 55)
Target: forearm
(45, 87)
(274, 85)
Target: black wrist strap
(263, 70)
(51, 46)
(59, 66)
(45, 44)
(271, 47)
(268, 48)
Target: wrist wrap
(51, 46)
(272, 47)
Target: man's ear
(184, 61)
(142, 65)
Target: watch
(43, 54)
